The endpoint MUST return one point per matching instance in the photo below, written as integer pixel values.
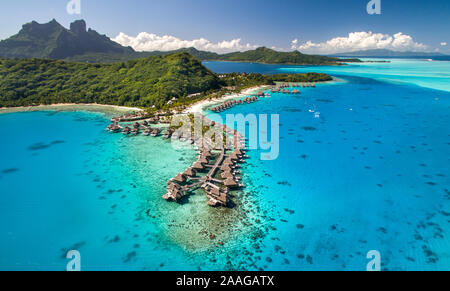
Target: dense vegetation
(268, 56)
(255, 79)
(260, 55)
(146, 82)
(160, 81)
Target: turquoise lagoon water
(425, 73)
(372, 178)
(66, 184)
(372, 173)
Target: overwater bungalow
(239, 152)
(147, 131)
(228, 161)
(227, 174)
(231, 183)
(206, 154)
(180, 178)
(126, 130)
(216, 195)
(135, 131)
(226, 168)
(153, 120)
(203, 160)
(260, 94)
(129, 117)
(235, 156)
(115, 128)
(190, 172)
(198, 166)
(174, 192)
(155, 132)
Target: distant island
(157, 82)
(385, 53)
(53, 41)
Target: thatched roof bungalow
(230, 182)
(190, 172)
(227, 174)
(180, 178)
(198, 166)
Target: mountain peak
(52, 40)
(78, 27)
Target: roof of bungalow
(235, 156)
(203, 160)
(180, 178)
(230, 182)
(228, 161)
(225, 168)
(239, 151)
(190, 172)
(227, 174)
(171, 185)
(198, 166)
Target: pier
(214, 171)
(230, 104)
(285, 88)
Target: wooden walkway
(218, 163)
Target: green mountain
(260, 55)
(52, 40)
(268, 56)
(145, 82)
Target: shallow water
(425, 73)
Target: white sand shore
(199, 106)
(72, 107)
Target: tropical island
(159, 82)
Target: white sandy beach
(198, 107)
(72, 107)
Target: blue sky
(274, 23)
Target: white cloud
(362, 41)
(443, 43)
(294, 44)
(151, 42)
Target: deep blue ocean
(371, 173)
